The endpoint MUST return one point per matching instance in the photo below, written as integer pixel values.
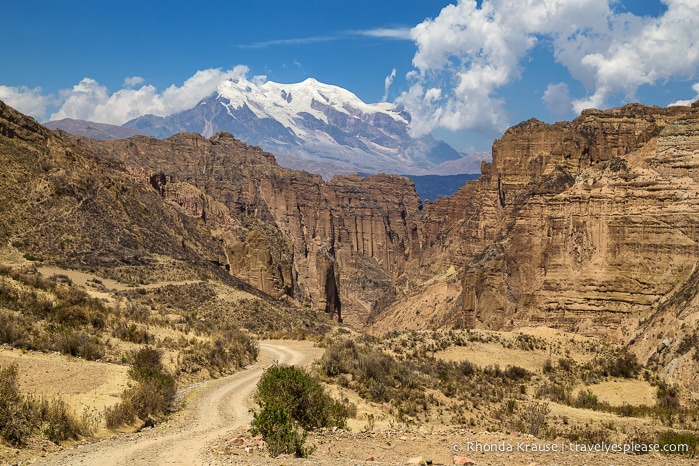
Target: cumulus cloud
(695, 88)
(133, 81)
(28, 101)
(557, 98)
(387, 84)
(89, 100)
(470, 52)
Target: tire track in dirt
(215, 408)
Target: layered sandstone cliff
(585, 225)
(336, 246)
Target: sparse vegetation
(291, 403)
(21, 416)
(153, 395)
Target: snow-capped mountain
(315, 123)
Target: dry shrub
(120, 414)
(21, 416)
(76, 343)
(153, 395)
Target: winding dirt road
(213, 410)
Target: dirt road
(213, 409)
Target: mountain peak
(309, 120)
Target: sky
(465, 70)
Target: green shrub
(291, 403)
(280, 431)
(301, 395)
(586, 399)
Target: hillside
(77, 212)
(530, 284)
(90, 129)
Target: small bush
(13, 329)
(291, 403)
(280, 431)
(586, 399)
(155, 394)
(302, 396)
(673, 443)
(58, 423)
(17, 416)
(120, 414)
(151, 398)
(21, 416)
(76, 343)
(132, 333)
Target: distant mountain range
(90, 129)
(309, 126)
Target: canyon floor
(212, 426)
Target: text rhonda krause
(563, 447)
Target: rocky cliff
(337, 246)
(584, 226)
(600, 227)
(587, 226)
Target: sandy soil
(620, 392)
(212, 409)
(212, 430)
(82, 384)
(486, 354)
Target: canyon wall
(584, 225)
(336, 246)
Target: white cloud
(557, 98)
(28, 101)
(385, 33)
(688, 102)
(89, 100)
(133, 81)
(470, 52)
(387, 84)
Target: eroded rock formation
(585, 225)
(336, 246)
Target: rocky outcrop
(17, 126)
(601, 222)
(584, 226)
(336, 246)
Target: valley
(553, 299)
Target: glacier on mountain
(309, 124)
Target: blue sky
(465, 70)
